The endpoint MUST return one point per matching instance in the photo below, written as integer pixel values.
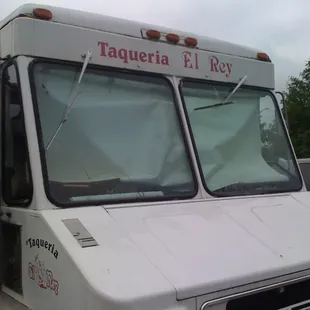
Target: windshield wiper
(242, 188)
(214, 105)
(72, 99)
(225, 101)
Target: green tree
(298, 110)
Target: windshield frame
(281, 123)
(78, 66)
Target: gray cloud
(277, 27)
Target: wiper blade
(72, 99)
(251, 188)
(214, 105)
(225, 102)
(104, 187)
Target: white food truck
(144, 168)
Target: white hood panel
(202, 247)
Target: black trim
(13, 62)
(2, 256)
(2, 66)
(13, 257)
(41, 146)
(277, 108)
(284, 296)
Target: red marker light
(191, 42)
(153, 34)
(263, 57)
(42, 14)
(172, 38)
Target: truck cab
(144, 168)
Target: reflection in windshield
(241, 149)
(121, 141)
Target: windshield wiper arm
(225, 102)
(72, 99)
(236, 88)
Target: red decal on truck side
(218, 66)
(130, 55)
(190, 60)
(44, 278)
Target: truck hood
(207, 246)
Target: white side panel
(57, 273)
(6, 41)
(50, 280)
(23, 37)
(70, 43)
(119, 276)
(128, 28)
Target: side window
(16, 177)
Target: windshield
(241, 143)
(121, 140)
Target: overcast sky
(280, 28)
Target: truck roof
(127, 28)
